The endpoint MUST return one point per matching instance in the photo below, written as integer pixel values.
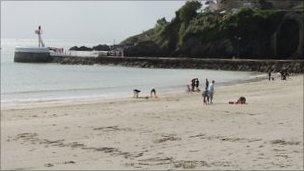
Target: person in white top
(211, 91)
(39, 32)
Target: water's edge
(256, 77)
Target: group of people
(194, 85)
(208, 89)
(284, 74)
(207, 94)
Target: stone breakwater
(293, 66)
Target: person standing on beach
(192, 84)
(283, 74)
(39, 32)
(205, 97)
(211, 91)
(206, 84)
(197, 84)
(269, 75)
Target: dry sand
(175, 131)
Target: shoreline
(171, 132)
(256, 76)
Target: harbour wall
(292, 66)
(32, 57)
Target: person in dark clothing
(205, 97)
(269, 75)
(197, 84)
(283, 75)
(206, 84)
(192, 84)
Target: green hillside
(245, 33)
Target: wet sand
(174, 131)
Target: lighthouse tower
(33, 54)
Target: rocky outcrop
(81, 48)
(99, 47)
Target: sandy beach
(174, 131)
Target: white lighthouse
(33, 54)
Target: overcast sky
(100, 21)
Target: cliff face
(249, 33)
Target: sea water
(28, 82)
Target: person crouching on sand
(135, 93)
(153, 93)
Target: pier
(292, 66)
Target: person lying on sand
(241, 100)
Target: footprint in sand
(69, 162)
(48, 165)
(283, 142)
(168, 137)
(112, 128)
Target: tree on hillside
(162, 22)
(265, 5)
(188, 11)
